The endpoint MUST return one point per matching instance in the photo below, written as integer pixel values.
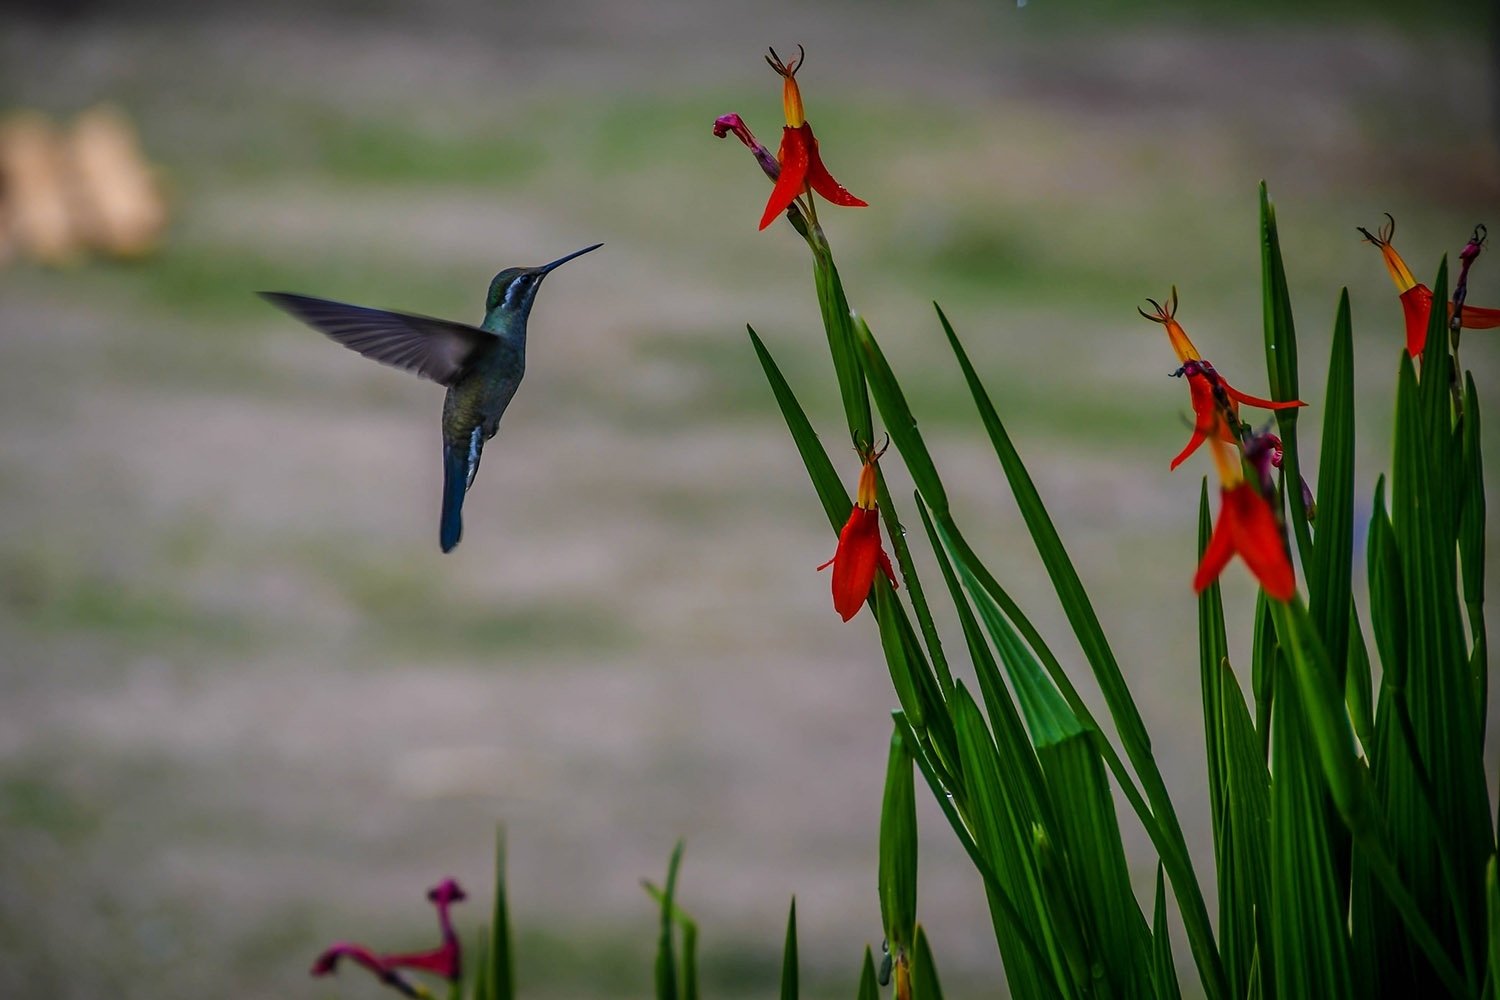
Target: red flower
(1416, 298)
(1216, 406)
(446, 960)
(859, 553)
(801, 165)
(1246, 525)
(1216, 403)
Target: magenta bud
(725, 124)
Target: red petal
(1266, 404)
(1216, 554)
(443, 961)
(1193, 443)
(1480, 318)
(1247, 526)
(793, 157)
(855, 562)
(327, 963)
(1416, 302)
(821, 180)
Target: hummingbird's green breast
(479, 397)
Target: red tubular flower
(446, 960)
(1416, 298)
(859, 553)
(1216, 406)
(1246, 525)
(801, 165)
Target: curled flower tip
(787, 67)
(1382, 237)
(791, 95)
(1166, 315)
(1475, 244)
(725, 124)
(1162, 314)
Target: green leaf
(1357, 684)
(1008, 921)
(1213, 650)
(899, 421)
(896, 531)
(1244, 847)
(868, 989)
(1263, 670)
(687, 979)
(1118, 942)
(1320, 723)
(1308, 933)
(1076, 606)
(666, 965)
(789, 956)
(838, 322)
(1471, 545)
(1163, 969)
(1329, 585)
(498, 976)
(900, 666)
(1281, 362)
(825, 479)
(1387, 593)
(924, 977)
(898, 849)
(1017, 755)
(1437, 766)
(1492, 911)
(1003, 835)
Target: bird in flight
(481, 365)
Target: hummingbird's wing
(433, 348)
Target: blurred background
(249, 708)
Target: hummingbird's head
(515, 287)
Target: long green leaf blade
(1281, 361)
(789, 956)
(898, 849)
(1163, 969)
(499, 975)
(825, 479)
(1096, 649)
(1329, 575)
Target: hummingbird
(481, 365)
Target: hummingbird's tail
(455, 485)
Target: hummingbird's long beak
(563, 260)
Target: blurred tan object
(120, 208)
(34, 176)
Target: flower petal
(1258, 540)
(1479, 318)
(1265, 404)
(1193, 444)
(1416, 303)
(1217, 553)
(821, 180)
(793, 157)
(441, 961)
(327, 963)
(855, 562)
